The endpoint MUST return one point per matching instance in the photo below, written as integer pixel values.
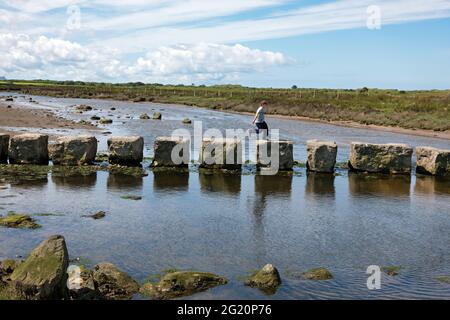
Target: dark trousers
(262, 126)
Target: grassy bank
(428, 110)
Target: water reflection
(379, 184)
(268, 189)
(75, 181)
(123, 181)
(220, 182)
(431, 185)
(168, 180)
(320, 184)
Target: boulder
(28, 148)
(317, 274)
(4, 143)
(380, 158)
(157, 116)
(112, 283)
(187, 121)
(165, 146)
(105, 121)
(181, 284)
(73, 150)
(83, 107)
(127, 151)
(433, 161)
(221, 153)
(81, 283)
(8, 266)
(285, 154)
(18, 221)
(144, 116)
(321, 156)
(267, 279)
(43, 274)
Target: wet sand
(34, 119)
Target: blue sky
(270, 43)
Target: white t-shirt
(260, 115)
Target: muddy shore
(14, 115)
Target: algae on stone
(443, 279)
(182, 283)
(18, 221)
(43, 274)
(131, 197)
(317, 274)
(113, 283)
(267, 279)
(391, 270)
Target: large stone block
(171, 152)
(28, 148)
(266, 159)
(321, 156)
(73, 150)
(380, 158)
(4, 143)
(128, 151)
(43, 274)
(433, 161)
(221, 153)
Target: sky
(397, 44)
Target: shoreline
(31, 120)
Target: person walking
(259, 119)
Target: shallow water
(233, 224)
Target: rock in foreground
(81, 284)
(18, 221)
(73, 150)
(433, 161)
(112, 283)
(182, 283)
(28, 148)
(267, 279)
(43, 274)
(317, 274)
(380, 158)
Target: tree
(294, 87)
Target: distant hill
(2, 78)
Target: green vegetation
(391, 270)
(443, 279)
(408, 109)
(18, 221)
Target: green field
(428, 110)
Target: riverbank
(414, 110)
(26, 119)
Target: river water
(233, 224)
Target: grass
(429, 110)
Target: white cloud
(206, 61)
(24, 56)
(27, 56)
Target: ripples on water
(232, 224)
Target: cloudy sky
(274, 43)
